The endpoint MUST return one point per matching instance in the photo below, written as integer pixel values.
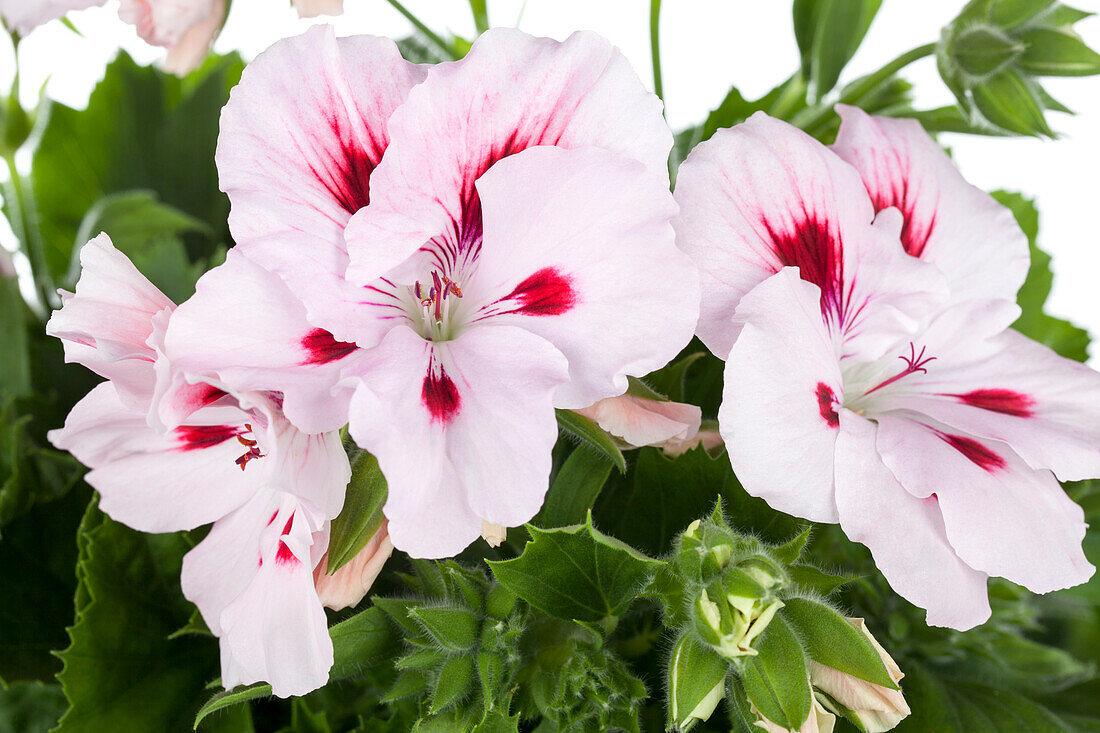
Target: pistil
(913, 363)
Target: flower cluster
(436, 259)
(439, 257)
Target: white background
(706, 45)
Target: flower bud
(991, 53)
(819, 720)
(347, 586)
(639, 421)
(877, 708)
(730, 615)
(696, 683)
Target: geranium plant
(437, 384)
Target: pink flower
(216, 455)
(858, 391)
(185, 27)
(347, 586)
(493, 274)
(639, 421)
(313, 8)
(23, 16)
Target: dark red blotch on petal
(197, 437)
(914, 234)
(283, 556)
(1004, 401)
(322, 347)
(545, 293)
(975, 452)
(826, 398)
(346, 174)
(440, 396)
(818, 254)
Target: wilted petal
(244, 326)
(511, 92)
(296, 158)
(974, 240)
(782, 391)
(579, 249)
(348, 585)
(905, 534)
(462, 430)
(1001, 516)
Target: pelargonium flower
(23, 16)
(493, 274)
(221, 451)
(185, 28)
(858, 391)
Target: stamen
(437, 294)
(913, 363)
(253, 448)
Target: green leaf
(576, 573)
(142, 129)
(828, 33)
(591, 435)
(15, 365)
(1051, 52)
(694, 670)
(121, 671)
(361, 515)
(662, 495)
(1062, 336)
(575, 489)
(30, 707)
(669, 381)
(830, 640)
(776, 680)
(150, 233)
(361, 642)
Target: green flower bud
(991, 54)
(696, 683)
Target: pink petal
(639, 421)
(1001, 516)
(511, 92)
(347, 586)
(762, 196)
(164, 22)
(295, 156)
(23, 16)
(159, 482)
(905, 534)
(107, 323)
(245, 327)
(462, 430)
(1012, 389)
(782, 392)
(597, 274)
(974, 240)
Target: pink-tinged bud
(709, 439)
(313, 8)
(819, 720)
(638, 421)
(347, 586)
(494, 534)
(878, 708)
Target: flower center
(252, 446)
(913, 363)
(433, 299)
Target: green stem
(25, 229)
(811, 117)
(428, 32)
(655, 46)
(481, 15)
